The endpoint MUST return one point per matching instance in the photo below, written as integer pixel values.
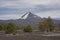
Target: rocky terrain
(28, 36)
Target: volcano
(27, 19)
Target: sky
(14, 9)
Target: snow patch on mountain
(25, 16)
(30, 16)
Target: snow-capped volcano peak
(29, 15)
(25, 16)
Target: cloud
(27, 3)
(10, 16)
(53, 14)
(14, 8)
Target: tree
(1, 27)
(58, 25)
(10, 29)
(43, 26)
(28, 29)
(51, 25)
(47, 25)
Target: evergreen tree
(47, 25)
(51, 25)
(43, 26)
(58, 26)
(1, 27)
(10, 29)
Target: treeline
(11, 28)
(45, 25)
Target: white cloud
(27, 3)
(53, 4)
(53, 14)
(10, 16)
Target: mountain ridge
(31, 19)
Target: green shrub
(28, 29)
(10, 29)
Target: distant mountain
(27, 19)
(30, 19)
